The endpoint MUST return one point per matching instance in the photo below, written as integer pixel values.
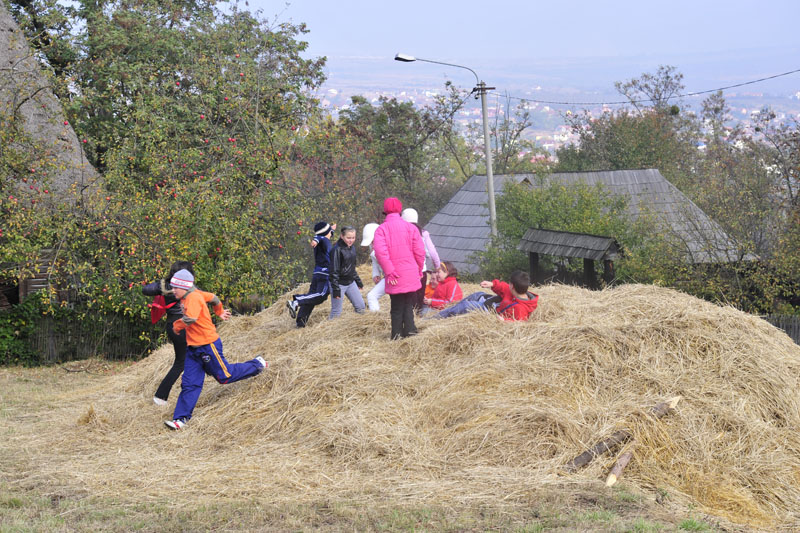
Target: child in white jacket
(377, 273)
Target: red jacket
(511, 308)
(446, 292)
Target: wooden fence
(788, 323)
(105, 336)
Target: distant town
(549, 129)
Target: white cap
(368, 233)
(410, 215)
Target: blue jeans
(473, 301)
(208, 359)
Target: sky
(471, 29)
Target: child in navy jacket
(301, 305)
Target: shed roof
(461, 227)
(569, 244)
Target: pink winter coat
(401, 254)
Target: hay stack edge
(470, 410)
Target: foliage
(16, 327)
(189, 130)
(746, 183)
(408, 150)
(548, 205)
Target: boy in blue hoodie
(301, 305)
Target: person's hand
(376, 279)
(427, 301)
(486, 284)
(313, 243)
(226, 314)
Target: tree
(546, 204)
(188, 113)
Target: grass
(39, 506)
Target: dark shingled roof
(568, 244)
(461, 227)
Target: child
(204, 347)
(401, 254)
(515, 302)
(377, 272)
(173, 312)
(301, 305)
(343, 275)
(447, 290)
(432, 262)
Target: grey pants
(353, 294)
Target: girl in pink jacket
(401, 254)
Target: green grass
(690, 524)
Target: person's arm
(418, 248)
(376, 268)
(336, 266)
(381, 248)
(152, 289)
(215, 303)
(501, 288)
(431, 249)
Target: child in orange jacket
(204, 347)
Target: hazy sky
(467, 30)
(489, 35)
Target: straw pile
(471, 410)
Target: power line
(696, 93)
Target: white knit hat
(410, 215)
(182, 279)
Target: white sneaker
(158, 401)
(261, 360)
(292, 305)
(176, 424)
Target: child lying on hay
(512, 301)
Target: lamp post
(481, 89)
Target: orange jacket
(447, 292)
(196, 320)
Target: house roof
(569, 244)
(461, 227)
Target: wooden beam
(533, 266)
(619, 437)
(618, 467)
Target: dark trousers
(419, 296)
(318, 293)
(402, 314)
(178, 341)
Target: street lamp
(480, 88)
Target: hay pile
(470, 410)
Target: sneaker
(176, 424)
(158, 401)
(292, 305)
(261, 360)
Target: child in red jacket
(447, 290)
(512, 300)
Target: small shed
(590, 248)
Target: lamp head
(405, 58)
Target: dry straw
(470, 410)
